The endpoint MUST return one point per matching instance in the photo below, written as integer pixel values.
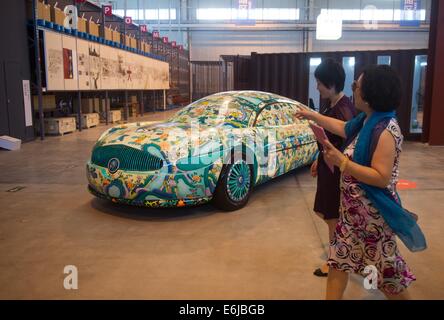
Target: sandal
(318, 273)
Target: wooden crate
(89, 105)
(133, 109)
(93, 28)
(116, 36)
(81, 25)
(145, 47)
(48, 102)
(59, 126)
(113, 116)
(43, 11)
(127, 40)
(133, 42)
(89, 120)
(57, 16)
(108, 34)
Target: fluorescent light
(423, 64)
(329, 26)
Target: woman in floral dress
(362, 238)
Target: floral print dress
(362, 237)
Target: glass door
(313, 93)
(384, 60)
(418, 94)
(349, 67)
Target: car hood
(172, 139)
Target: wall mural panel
(76, 64)
(94, 66)
(54, 61)
(83, 65)
(70, 63)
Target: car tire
(235, 184)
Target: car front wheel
(235, 185)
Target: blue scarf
(401, 222)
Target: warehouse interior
(53, 111)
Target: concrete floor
(267, 250)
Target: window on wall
(374, 14)
(349, 67)
(150, 14)
(418, 94)
(251, 14)
(384, 60)
(313, 93)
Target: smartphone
(320, 135)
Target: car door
(300, 143)
(272, 133)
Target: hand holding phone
(321, 136)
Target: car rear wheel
(235, 185)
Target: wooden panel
(81, 25)
(93, 28)
(58, 16)
(435, 111)
(108, 34)
(43, 11)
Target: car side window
(269, 116)
(288, 111)
(279, 114)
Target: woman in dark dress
(330, 77)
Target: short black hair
(381, 88)
(331, 73)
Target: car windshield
(216, 111)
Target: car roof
(255, 98)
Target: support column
(433, 131)
(79, 111)
(141, 104)
(126, 106)
(106, 108)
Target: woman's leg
(331, 223)
(336, 284)
(331, 227)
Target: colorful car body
(179, 162)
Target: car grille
(130, 159)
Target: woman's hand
(332, 155)
(314, 169)
(305, 114)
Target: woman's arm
(380, 172)
(333, 125)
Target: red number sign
(108, 10)
(128, 20)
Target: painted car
(217, 148)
